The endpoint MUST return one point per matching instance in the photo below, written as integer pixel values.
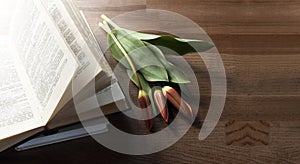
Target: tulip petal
(176, 100)
(144, 102)
(160, 102)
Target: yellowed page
(18, 111)
(48, 62)
(89, 66)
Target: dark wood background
(259, 42)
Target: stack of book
(44, 46)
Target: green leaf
(144, 83)
(142, 57)
(175, 74)
(143, 36)
(180, 46)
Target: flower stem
(124, 53)
(109, 21)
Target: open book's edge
(8, 142)
(68, 95)
(73, 118)
(84, 108)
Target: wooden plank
(267, 108)
(237, 15)
(281, 149)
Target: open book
(44, 45)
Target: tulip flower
(144, 103)
(160, 102)
(172, 95)
(126, 44)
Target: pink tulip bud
(144, 102)
(172, 95)
(160, 102)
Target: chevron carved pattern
(247, 133)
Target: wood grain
(247, 133)
(259, 44)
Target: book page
(87, 33)
(49, 64)
(89, 66)
(84, 28)
(18, 112)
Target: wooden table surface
(259, 42)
